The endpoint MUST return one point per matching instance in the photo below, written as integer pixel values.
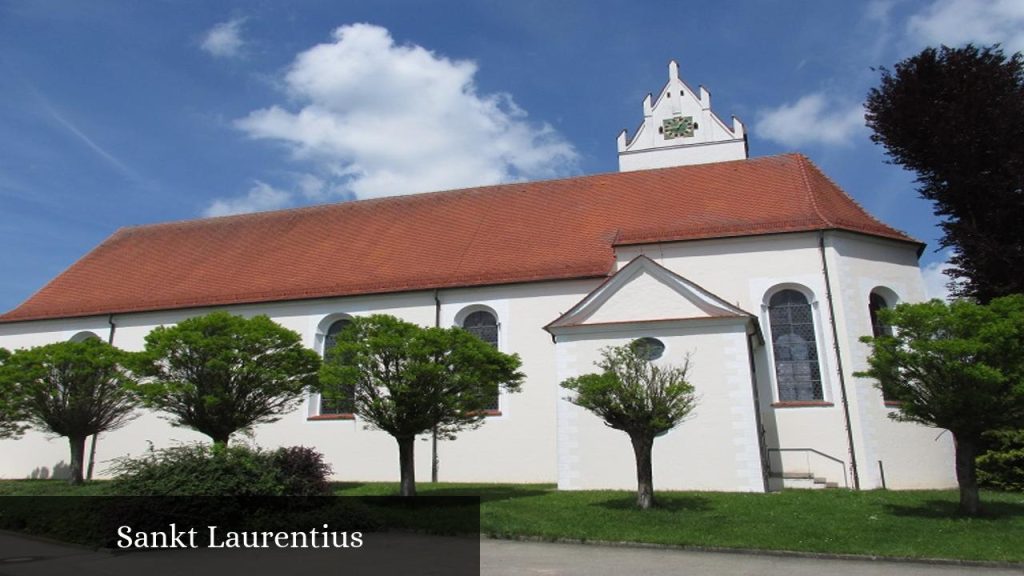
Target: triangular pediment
(644, 291)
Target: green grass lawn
(915, 524)
(918, 524)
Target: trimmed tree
(219, 374)
(956, 366)
(955, 116)
(12, 403)
(641, 398)
(72, 389)
(407, 380)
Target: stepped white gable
(680, 129)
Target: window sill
(319, 417)
(803, 404)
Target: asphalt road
(507, 558)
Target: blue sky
(123, 113)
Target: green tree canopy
(12, 403)
(955, 116)
(219, 373)
(956, 366)
(408, 380)
(72, 389)
(639, 397)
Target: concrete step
(801, 480)
(792, 475)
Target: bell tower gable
(680, 129)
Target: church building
(761, 271)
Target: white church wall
(675, 155)
(519, 445)
(515, 446)
(729, 267)
(528, 441)
(745, 271)
(645, 298)
(923, 456)
(715, 449)
(29, 334)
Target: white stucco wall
(745, 271)
(516, 446)
(715, 449)
(922, 457)
(668, 156)
(534, 438)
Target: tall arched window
(878, 328)
(876, 303)
(337, 405)
(484, 325)
(794, 344)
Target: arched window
(794, 345)
(336, 405)
(83, 336)
(878, 328)
(876, 303)
(331, 336)
(484, 325)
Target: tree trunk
(642, 448)
(966, 475)
(433, 457)
(220, 439)
(407, 465)
(92, 456)
(77, 458)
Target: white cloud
(879, 10)
(875, 33)
(261, 196)
(935, 280)
(956, 22)
(813, 119)
(225, 39)
(378, 119)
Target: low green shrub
(1002, 465)
(301, 471)
(205, 470)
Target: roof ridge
(484, 188)
(802, 162)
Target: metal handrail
(846, 481)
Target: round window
(649, 348)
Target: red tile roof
(491, 235)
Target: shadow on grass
(487, 493)
(674, 503)
(948, 509)
(341, 486)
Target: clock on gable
(677, 127)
